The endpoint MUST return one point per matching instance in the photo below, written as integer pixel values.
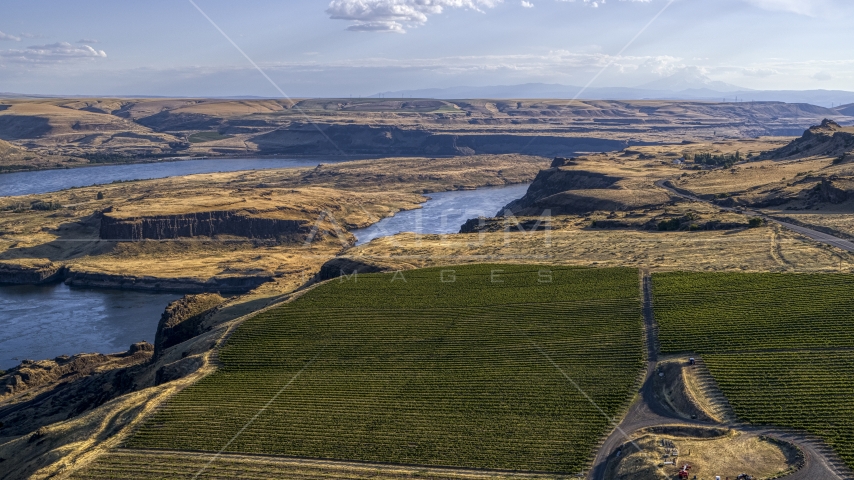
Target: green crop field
(124, 464)
(781, 346)
(479, 372)
(202, 137)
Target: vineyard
(781, 346)
(123, 464)
(737, 312)
(466, 368)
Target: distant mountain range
(689, 84)
(691, 78)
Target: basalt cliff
(241, 223)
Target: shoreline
(335, 158)
(50, 273)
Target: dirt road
(820, 463)
(807, 232)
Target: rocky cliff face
(26, 274)
(232, 284)
(30, 274)
(828, 139)
(38, 394)
(835, 191)
(554, 181)
(167, 121)
(388, 140)
(577, 186)
(497, 224)
(349, 266)
(208, 224)
(31, 374)
(563, 162)
(182, 320)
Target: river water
(45, 321)
(44, 181)
(445, 212)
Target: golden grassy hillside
(334, 198)
(721, 241)
(148, 128)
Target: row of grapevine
(738, 312)
(153, 465)
(781, 346)
(807, 390)
(424, 372)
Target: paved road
(647, 411)
(807, 232)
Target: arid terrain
(650, 186)
(276, 226)
(59, 133)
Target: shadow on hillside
(74, 240)
(15, 127)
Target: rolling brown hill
(137, 129)
(846, 109)
(828, 139)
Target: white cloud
(381, 26)
(785, 74)
(527, 4)
(556, 63)
(576, 67)
(592, 3)
(87, 41)
(395, 15)
(52, 53)
(662, 65)
(759, 72)
(6, 36)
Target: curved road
(807, 232)
(647, 412)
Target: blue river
(44, 181)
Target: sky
(342, 48)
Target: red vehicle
(684, 472)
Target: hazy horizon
(362, 47)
